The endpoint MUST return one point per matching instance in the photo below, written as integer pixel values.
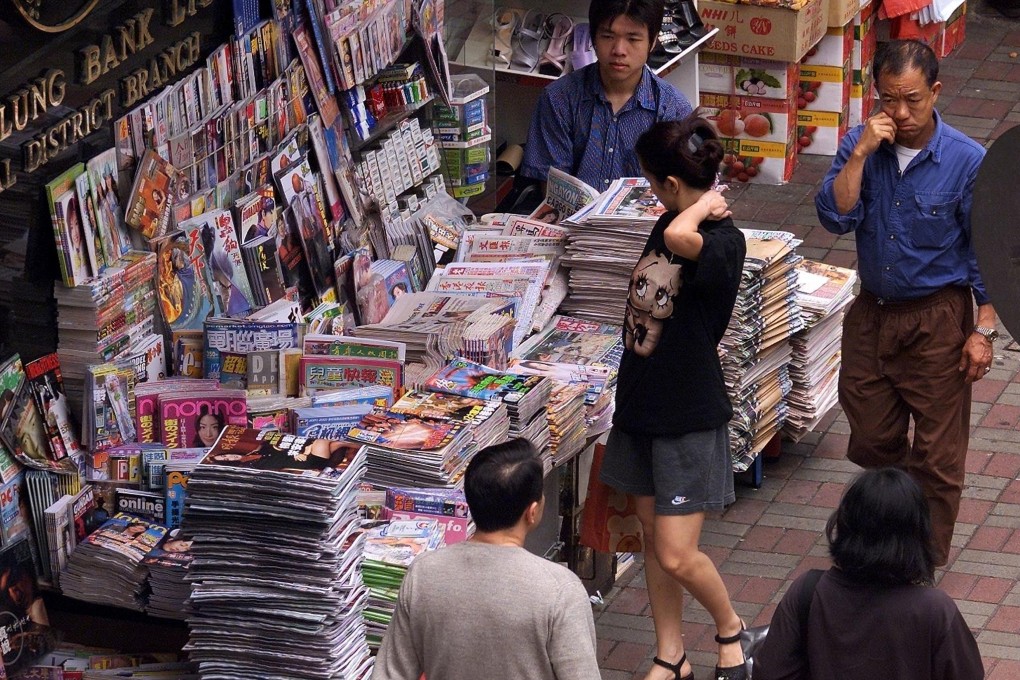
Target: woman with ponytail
(669, 446)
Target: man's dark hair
(896, 57)
(501, 482)
(602, 13)
(688, 149)
(881, 531)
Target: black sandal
(675, 667)
(731, 672)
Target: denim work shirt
(575, 130)
(912, 229)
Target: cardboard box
(764, 32)
(758, 162)
(953, 35)
(747, 77)
(833, 49)
(820, 132)
(751, 118)
(862, 101)
(841, 12)
(824, 88)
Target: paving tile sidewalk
(773, 534)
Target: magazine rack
(469, 43)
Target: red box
(824, 88)
(751, 118)
(759, 162)
(833, 49)
(822, 130)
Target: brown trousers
(901, 360)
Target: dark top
(670, 380)
(912, 229)
(869, 631)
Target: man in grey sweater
(487, 608)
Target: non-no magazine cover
(272, 450)
(196, 419)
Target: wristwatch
(991, 335)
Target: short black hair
(501, 482)
(688, 149)
(647, 12)
(896, 57)
(881, 531)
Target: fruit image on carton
(833, 49)
(824, 88)
(752, 118)
(758, 162)
(730, 74)
(820, 132)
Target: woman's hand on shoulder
(715, 205)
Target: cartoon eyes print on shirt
(654, 284)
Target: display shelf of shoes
(472, 33)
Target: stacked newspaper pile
(756, 348)
(103, 318)
(168, 566)
(115, 550)
(603, 248)
(434, 326)
(276, 586)
(389, 551)
(488, 422)
(824, 292)
(522, 282)
(409, 451)
(525, 396)
(566, 421)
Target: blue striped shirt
(575, 130)
(912, 229)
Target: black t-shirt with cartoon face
(670, 380)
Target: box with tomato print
(758, 162)
(820, 132)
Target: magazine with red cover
(273, 450)
(47, 386)
(196, 419)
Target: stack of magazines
(521, 281)
(115, 550)
(824, 293)
(407, 450)
(756, 351)
(389, 551)
(566, 421)
(602, 253)
(168, 566)
(102, 318)
(525, 396)
(276, 586)
(573, 351)
(434, 326)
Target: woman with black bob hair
(874, 614)
(669, 446)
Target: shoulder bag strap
(804, 602)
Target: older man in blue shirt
(586, 123)
(903, 183)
